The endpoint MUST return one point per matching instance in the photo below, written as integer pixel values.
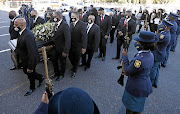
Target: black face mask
(11, 16)
(73, 19)
(33, 16)
(48, 18)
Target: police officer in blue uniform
(178, 30)
(171, 17)
(160, 54)
(138, 86)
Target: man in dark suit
(83, 17)
(13, 34)
(28, 53)
(78, 41)
(122, 28)
(93, 32)
(36, 20)
(61, 40)
(105, 26)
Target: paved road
(100, 82)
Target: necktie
(117, 13)
(102, 19)
(81, 16)
(125, 22)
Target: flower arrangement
(44, 32)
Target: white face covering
(55, 19)
(16, 29)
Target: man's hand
(124, 53)
(106, 36)
(45, 98)
(120, 33)
(64, 55)
(83, 50)
(29, 71)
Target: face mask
(48, 18)
(73, 19)
(11, 16)
(56, 19)
(90, 21)
(33, 16)
(17, 29)
(127, 17)
(138, 47)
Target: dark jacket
(138, 83)
(93, 37)
(84, 18)
(160, 54)
(131, 27)
(13, 34)
(78, 35)
(27, 49)
(105, 25)
(61, 38)
(117, 18)
(173, 31)
(38, 21)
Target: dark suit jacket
(38, 21)
(105, 25)
(78, 35)
(13, 34)
(84, 18)
(61, 38)
(131, 27)
(93, 37)
(117, 18)
(27, 49)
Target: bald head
(20, 22)
(12, 14)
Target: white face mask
(73, 19)
(90, 21)
(55, 19)
(16, 29)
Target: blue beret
(173, 15)
(146, 36)
(167, 23)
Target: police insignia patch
(162, 36)
(137, 63)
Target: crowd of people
(87, 32)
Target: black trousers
(55, 56)
(120, 42)
(74, 57)
(152, 27)
(102, 46)
(32, 76)
(112, 35)
(87, 62)
(140, 26)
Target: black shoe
(14, 68)
(73, 75)
(121, 80)
(86, 68)
(82, 65)
(116, 58)
(155, 86)
(59, 78)
(103, 58)
(29, 92)
(53, 76)
(172, 50)
(163, 65)
(99, 56)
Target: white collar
(22, 31)
(59, 22)
(75, 22)
(145, 51)
(128, 19)
(36, 19)
(13, 19)
(90, 25)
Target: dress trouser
(74, 57)
(90, 53)
(55, 57)
(112, 35)
(167, 51)
(154, 73)
(103, 46)
(120, 42)
(31, 76)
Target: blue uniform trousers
(167, 51)
(154, 73)
(176, 39)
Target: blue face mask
(138, 46)
(160, 28)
